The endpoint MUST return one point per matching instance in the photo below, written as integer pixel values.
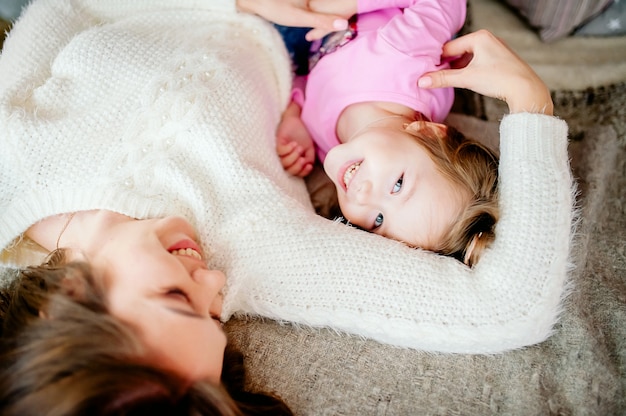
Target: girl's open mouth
(349, 173)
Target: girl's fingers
(289, 159)
(283, 149)
(300, 168)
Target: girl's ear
(414, 127)
(420, 125)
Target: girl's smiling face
(388, 184)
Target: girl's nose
(363, 192)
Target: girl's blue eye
(398, 185)
(378, 221)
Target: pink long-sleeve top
(397, 42)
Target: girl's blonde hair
(62, 353)
(471, 166)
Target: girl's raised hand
(484, 64)
(295, 13)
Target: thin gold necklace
(65, 228)
(359, 131)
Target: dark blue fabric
(297, 46)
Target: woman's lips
(186, 247)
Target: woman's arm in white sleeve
(332, 275)
(305, 269)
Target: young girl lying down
(398, 171)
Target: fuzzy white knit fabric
(162, 107)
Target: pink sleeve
(424, 23)
(297, 91)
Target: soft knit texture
(153, 108)
(393, 49)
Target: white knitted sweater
(161, 107)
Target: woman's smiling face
(388, 184)
(158, 282)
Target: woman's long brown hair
(62, 353)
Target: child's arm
(424, 26)
(347, 8)
(294, 145)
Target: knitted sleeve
(328, 274)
